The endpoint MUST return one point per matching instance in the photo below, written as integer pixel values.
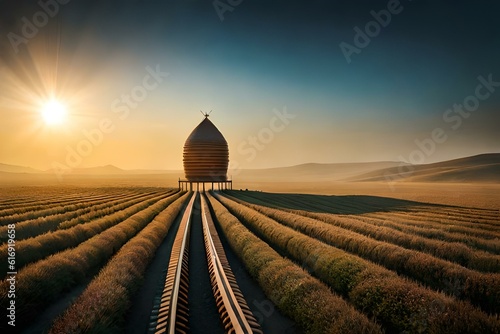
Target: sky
(288, 82)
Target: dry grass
(410, 238)
(479, 288)
(44, 281)
(103, 305)
(32, 199)
(34, 249)
(302, 297)
(472, 195)
(399, 303)
(73, 215)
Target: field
(83, 257)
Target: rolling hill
(312, 172)
(478, 168)
(5, 168)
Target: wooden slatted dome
(206, 154)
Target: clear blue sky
(264, 56)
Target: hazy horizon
(282, 90)
(397, 162)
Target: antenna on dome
(206, 114)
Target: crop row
(31, 228)
(399, 304)
(481, 289)
(19, 210)
(34, 249)
(492, 246)
(86, 218)
(334, 204)
(461, 216)
(22, 197)
(465, 214)
(27, 214)
(449, 214)
(42, 282)
(478, 219)
(434, 216)
(476, 230)
(486, 219)
(103, 305)
(36, 196)
(451, 251)
(455, 252)
(438, 217)
(296, 293)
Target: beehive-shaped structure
(206, 154)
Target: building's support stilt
(185, 185)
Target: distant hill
(313, 171)
(478, 168)
(99, 170)
(113, 170)
(153, 171)
(17, 169)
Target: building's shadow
(346, 204)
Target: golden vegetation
(481, 289)
(334, 264)
(104, 303)
(302, 297)
(39, 247)
(399, 304)
(44, 281)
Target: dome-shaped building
(206, 155)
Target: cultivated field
(328, 264)
(408, 266)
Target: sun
(53, 112)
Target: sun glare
(53, 112)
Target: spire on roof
(206, 114)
